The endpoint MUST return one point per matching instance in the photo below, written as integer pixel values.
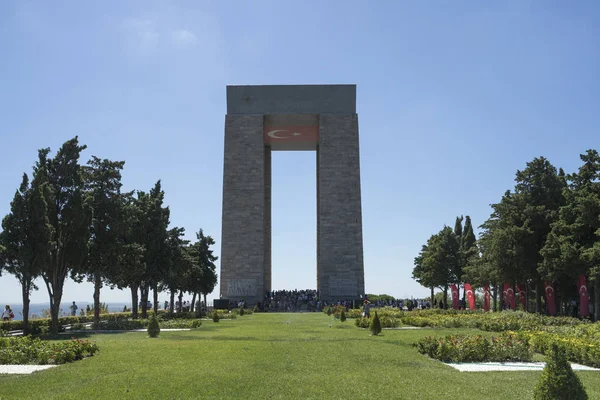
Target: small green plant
(558, 381)
(255, 310)
(343, 316)
(329, 311)
(241, 311)
(196, 323)
(375, 326)
(215, 316)
(153, 326)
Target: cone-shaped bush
(215, 316)
(241, 311)
(343, 316)
(255, 310)
(329, 311)
(558, 381)
(153, 326)
(375, 326)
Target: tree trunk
(501, 297)
(193, 302)
(97, 286)
(172, 303)
(25, 290)
(495, 298)
(54, 310)
(596, 315)
(445, 297)
(144, 299)
(205, 303)
(179, 309)
(134, 301)
(155, 291)
(430, 301)
(526, 297)
(538, 298)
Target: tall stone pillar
(245, 199)
(340, 270)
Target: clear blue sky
(453, 98)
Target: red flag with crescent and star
(455, 300)
(522, 289)
(486, 297)
(509, 296)
(584, 297)
(550, 297)
(470, 296)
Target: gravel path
(133, 330)
(23, 369)
(515, 366)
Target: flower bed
(476, 348)
(386, 321)
(26, 350)
(133, 324)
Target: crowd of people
(297, 300)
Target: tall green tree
(573, 245)
(438, 261)
(25, 239)
(69, 213)
(103, 185)
(131, 250)
(155, 221)
(468, 240)
(206, 261)
(179, 264)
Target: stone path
(510, 366)
(23, 369)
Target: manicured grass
(264, 356)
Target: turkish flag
(470, 296)
(291, 133)
(486, 297)
(509, 296)
(550, 297)
(455, 300)
(584, 298)
(522, 288)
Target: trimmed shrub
(241, 311)
(558, 381)
(215, 316)
(329, 311)
(27, 350)
(343, 316)
(153, 326)
(255, 309)
(476, 348)
(375, 326)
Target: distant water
(36, 310)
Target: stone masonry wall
(340, 267)
(243, 232)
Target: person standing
(73, 308)
(7, 314)
(367, 309)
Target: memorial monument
(261, 119)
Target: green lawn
(266, 356)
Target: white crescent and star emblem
(549, 291)
(583, 290)
(273, 134)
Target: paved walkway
(510, 366)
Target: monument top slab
(291, 99)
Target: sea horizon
(36, 310)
